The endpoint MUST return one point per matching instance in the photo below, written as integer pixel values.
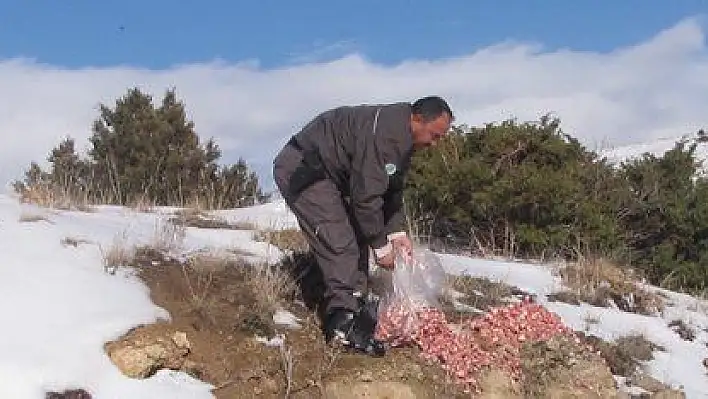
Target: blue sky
(623, 74)
(158, 33)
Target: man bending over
(343, 176)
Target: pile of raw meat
(492, 339)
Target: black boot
(354, 330)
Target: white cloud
(632, 94)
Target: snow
(60, 306)
(286, 319)
(657, 148)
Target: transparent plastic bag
(416, 285)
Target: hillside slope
(63, 304)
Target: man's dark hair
(431, 107)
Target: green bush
(530, 190)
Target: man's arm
(377, 196)
(394, 214)
(368, 184)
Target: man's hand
(387, 261)
(385, 256)
(399, 243)
(402, 244)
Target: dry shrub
(285, 239)
(168, 236)
(270, 284)
(118, 254)
(603, 283)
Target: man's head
(430, 120)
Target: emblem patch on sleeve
(390, 169)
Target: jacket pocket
(308, 172)
(337, 236)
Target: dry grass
(47, 196)
(560, 368)
(262, 289)
(26, 217)
(481, 293)
(117, 255)
(270, 284)
(637, 346)
(625, 354)
(168, 236)
(285, 239)
(142, 204)
(603, 283)
(265, 286)
(194, 217)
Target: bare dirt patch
(222, 312)
(561, 368)
(286, 239)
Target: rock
(368, 390)
(147, 349)
(180, 340)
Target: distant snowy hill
(657, 147)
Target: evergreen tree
(140, 152)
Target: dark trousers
(325, 220)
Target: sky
(252, 73)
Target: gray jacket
(366, 150)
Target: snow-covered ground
(681, 366)
(60, 306)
